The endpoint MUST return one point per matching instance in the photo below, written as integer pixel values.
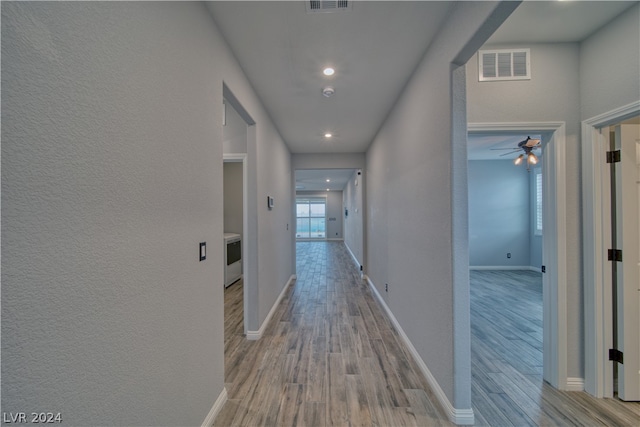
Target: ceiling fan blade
(512, 149)
(532, 142)
(506, 154)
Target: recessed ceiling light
(328, 71)
(328, 91)
(328, 189)
(328, 180)
(328, 135)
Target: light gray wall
(328, 161)
(333, 210)
(552, 94)
(353, 196)
(111, 176)
(610, 66)
(414, 199)
(499, 212)
(233, 197)
(234, 132)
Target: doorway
(240, 278)
(612, 300)
(554, 330)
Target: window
(538, 175)
(310, 218)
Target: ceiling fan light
(519, 159)
(532, 159)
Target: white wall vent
(325, 6)
(504, 64)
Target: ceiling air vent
(504, 64)
(326, 6)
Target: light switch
(203, 251)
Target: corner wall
(416, 205)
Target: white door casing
(627, 140)
(554, 243)
(597, 270)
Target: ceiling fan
(527, 145)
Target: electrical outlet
(508, 254)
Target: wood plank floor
(506, 361)
(330, 356)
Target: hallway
(329, 356)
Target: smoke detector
(328, 91)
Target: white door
(627, 140)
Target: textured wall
(233, 189)
(610, 65)
(234, 132)
(498, 213)
(354, 224)
(111, 176)
(411, 199)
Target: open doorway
(530, 328)
(237, 239)
(329, 208)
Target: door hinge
(615, 355)
(543, 269)
(614, 255)
(613, 156)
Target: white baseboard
(353, 256)
(256, 335)
(504, 267)
(215, 409)
(575, 384)
(336, 239)
(457, 416)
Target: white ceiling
(374, 48)
(557, 21)
(316, 179)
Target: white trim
(575, 384)
(555, 242)
(256, 335)
(457, 416)
(596, 232)
(335, 239)
(215, 409)
(505, 267)
(355, 259)
(246, 242)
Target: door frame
(554, 235)
(247, 278)
(596, 220)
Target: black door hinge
(615, 355)
(613, 156)
(543, 269)
(614, 255)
